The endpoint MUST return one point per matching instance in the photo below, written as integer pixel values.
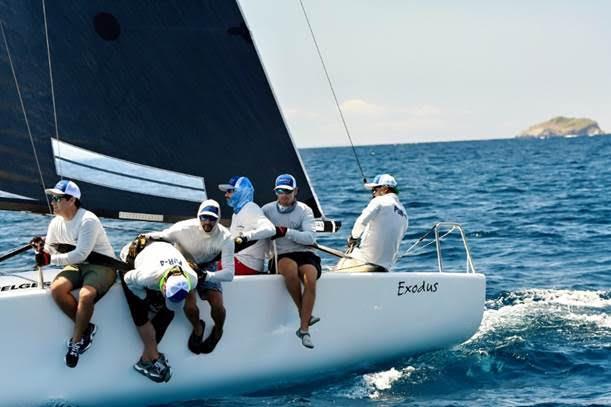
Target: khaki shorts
(99, 277)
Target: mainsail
(156, 102)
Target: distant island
(563, 127)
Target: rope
(44, 13)
(25, 115)
(406, 253)
(341, 114)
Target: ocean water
(537, 214)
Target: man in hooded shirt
(374, 241)
(161, 282)
(202, 240)
(248, 224)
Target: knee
(87, 295)
(60, 288)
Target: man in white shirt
(161, 283)
(248, 224)
(73, 225)
(374, 242)
(202, 241)
(297, 262)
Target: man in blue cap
(297, 262)
(248, 224)
(78, 228)
(374, 241)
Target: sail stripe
(99, 169)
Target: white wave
(370, 385)
(570, 305)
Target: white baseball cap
(210, 208)
(65, 187)
(382, 180)
(177, 288)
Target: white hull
(363, 321)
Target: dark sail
(157, 102)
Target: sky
(419, 71)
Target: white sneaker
(306, 339)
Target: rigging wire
(25, 115)
(341, 114)
(44, 13)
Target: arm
(263, 229)
(167, 234)
(361, 222)
(228, 270)
(87, 237)
(307, 235)
(135, 282)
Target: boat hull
(365, 318)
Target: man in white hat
(80, 228)
(203, 240)
(374, 241)
(163, 282)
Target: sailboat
(149, 105)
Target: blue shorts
(203, 285)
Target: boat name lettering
(424, 287)
(23, 286)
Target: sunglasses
(57, 198)
(208, 218)
(282, 191)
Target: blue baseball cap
(65, 187)
(231, 185)
(286, 181)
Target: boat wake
(562, 334)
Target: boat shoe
(306, 339)
(157, 370)
(211, 341)
(195, 341)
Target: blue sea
(537, 216)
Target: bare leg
(147, 334)
(84, 311)
(192, 312)
(61, 292)
(308, 274)
(288, 269)
(217, 309)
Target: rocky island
(563, 127)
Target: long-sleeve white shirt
(150, 265)
(84, 231)
(252, 223)
(381, 227)
(301, 231)
(202, 247)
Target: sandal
(196, 340)
(306, 339)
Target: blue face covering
(243, 193)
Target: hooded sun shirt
(243, 193)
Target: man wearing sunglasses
(203, 240)
(374, 241)
(73, 225)
(161, 283)
(248, 223)
(297, 262)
